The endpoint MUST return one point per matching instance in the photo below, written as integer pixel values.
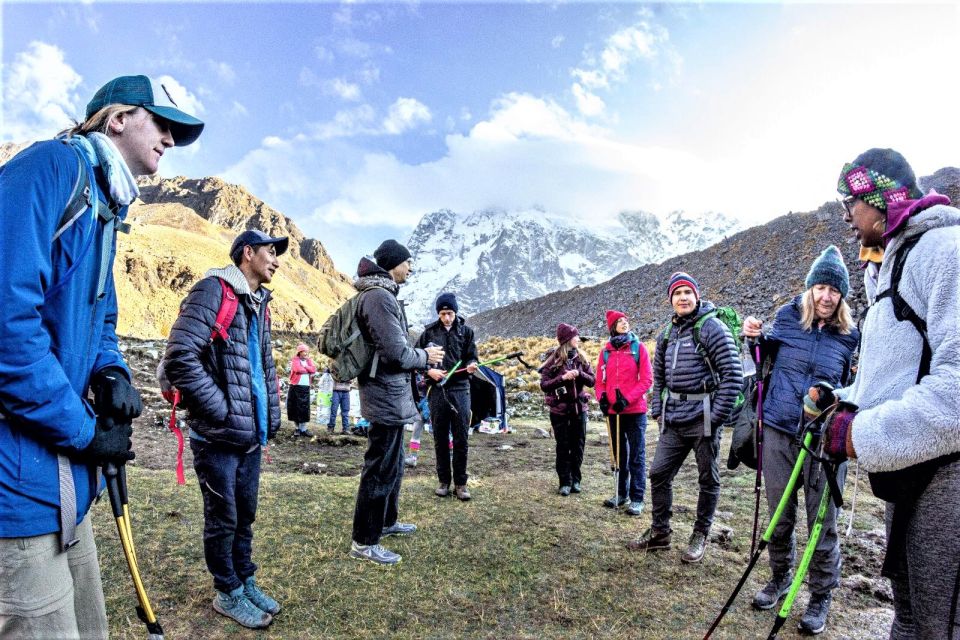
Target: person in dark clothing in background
(563, 377)
(230, 389)
(385, 400)
(450, 402)
(695, 389)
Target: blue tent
(488, 397)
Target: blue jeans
(229, 482)
(339, 399)
(633, 453)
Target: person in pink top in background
(298, 397)
(624, 375)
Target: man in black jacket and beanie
(386, 399)
(229, 387)
(450, 401)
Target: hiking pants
(570, 432)
(378, 499)
(780, 452)
(925, 603)
(341, 400)
(450, 413)
(45, 593)
(672, 450)
(633, 454)
(229, 482)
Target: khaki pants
(48, 594)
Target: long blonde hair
(559, 356)
(99, 121)
(841, 319)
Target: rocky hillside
(493, 257)
(182, 227)
(755, 270)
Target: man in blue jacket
(61, 203)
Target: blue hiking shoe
(259, 598)
(398, 529)
(237, 606)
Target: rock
(879, 588)
(505, 447)
(153, 354)
(541, 433)
(721, 534)
(523, 396)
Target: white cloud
(589, 104)
(223, 70)
(40, 95)
(404, 114)
(237, 109)
(644, 41)
(342, 89)
(557, 41)
(185, 100)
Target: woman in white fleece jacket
(904, 422)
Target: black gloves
(621, 404)
(819, 397)
(114, 397)
(604, 404)
(111, 443)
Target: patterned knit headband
(873, 187)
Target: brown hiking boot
(462, 492)
(651, 540)
(443, 491)
(695, 549)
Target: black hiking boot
(651, 540)
(814, 619)
(769, 596)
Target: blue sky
(356, 119)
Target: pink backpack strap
(228, 309)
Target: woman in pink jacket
(624, 376)
(298, 397)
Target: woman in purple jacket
(562, 378)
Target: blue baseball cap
(255, 238)
(152, 95)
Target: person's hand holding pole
(434, 354)
(752, 327)
(436, 374)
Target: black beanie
(447, 301)
(390, 253)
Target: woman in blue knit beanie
(812, 340)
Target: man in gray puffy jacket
(230, 389)
(695, 388)
(386, 399)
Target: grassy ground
(518, 561)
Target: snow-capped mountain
(492, 257)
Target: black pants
(450, 413)
(570, 432)
(229, 483)
(378, 500)
(672, 450)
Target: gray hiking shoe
(237, 606)
(651, 540)
(410, 461)
(769, 596)
(375, 553)
(616, 502)
(261, 600)
(635, 508)
(398, 529)
(564, 490)
(814, 619)
(576, 488)
(695, 548)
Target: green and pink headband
(874, 188)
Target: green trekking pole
(452, 371)
(515, 355)
(768, 533)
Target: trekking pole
(616, 503)
(517, 355)
(788, 492)
(811, 547)
(451, 372)
(758, 483)
(614, 467)
(117, 489)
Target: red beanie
(566, 332)
(612, 317)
